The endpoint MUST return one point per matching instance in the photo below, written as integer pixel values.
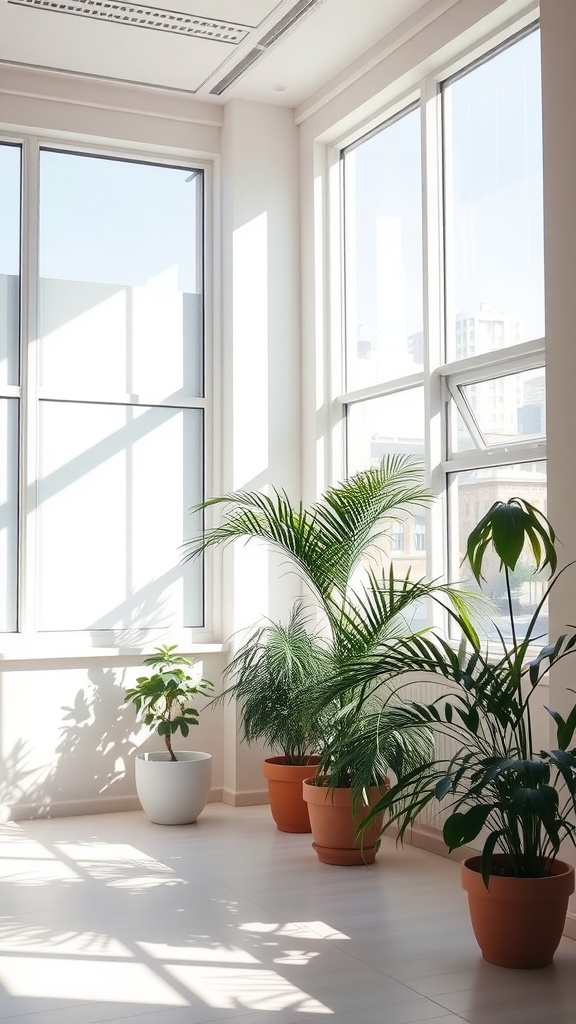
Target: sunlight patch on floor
(294, 929)
(86, 981)
(197, 954)
(250, 989)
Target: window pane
(9, 263)
(510, 408)
(391, 425)
(471, 495)
(114, 486)
(459, 437)
(8, 514)
(383, 254)
(494, 229)
(120, 300)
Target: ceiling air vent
(284, 25)
(240, 68)
(145, 17)
(287, 22)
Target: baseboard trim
(71, 808)
(248, 798)
(431, 840)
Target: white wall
(104, 112)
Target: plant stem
(509, 597)
(168, 736)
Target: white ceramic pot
(173, 792)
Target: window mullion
(29, 387)
(433, 283)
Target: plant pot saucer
(345, 858)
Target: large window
(445, 342)
(101, 393)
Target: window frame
(440, 378)
(27, 641)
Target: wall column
(261, 404)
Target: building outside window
(398, 537)
(102, 392)
(453, 366)
(419, 533)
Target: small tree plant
(162, 700)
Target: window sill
(82, 651)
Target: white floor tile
(112, 918)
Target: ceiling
(194, 45)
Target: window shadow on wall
(89, 763)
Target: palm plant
(521, 799)
(335, 546)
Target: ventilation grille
(281, 27)
(145, 17)
(237, 70)
(284, 25)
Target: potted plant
(517, 800)
(172, 787)
(271, 672)
(337, 547)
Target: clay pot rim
(276, 769)
(313, 760)
(319, 782)
(516, 889)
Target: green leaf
(488, 854)
(566, 729)
(443, 787)
(460, 829)
(508, 533)
(507, 526)
(470, 718)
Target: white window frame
(441, 379)
(27, 641)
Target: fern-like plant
(272, 672)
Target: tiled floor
(112, 918)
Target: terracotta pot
(334, 824)
(287, 805)
(518, 922)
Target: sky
(102, 220)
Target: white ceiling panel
(323, 40)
